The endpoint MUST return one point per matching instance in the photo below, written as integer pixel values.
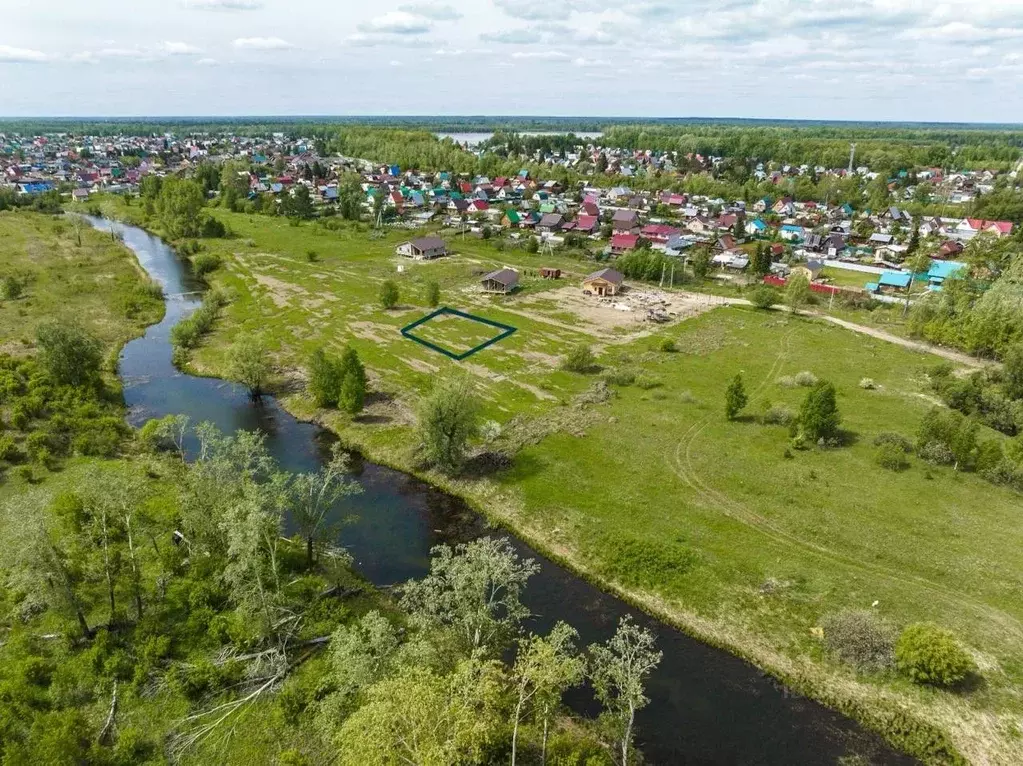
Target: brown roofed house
(603, 282)
(423, 249)
(501, 281)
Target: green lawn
(713, 524)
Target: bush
(860, 639)
(896, 440)
(312, 256)
(668, 346)
(931, 655)
(8, 448)
(805, 379)
(763, 297)
(620, 377)
(868, 384)
(389, 294)
(892, 457)
(579, 359)
(432, 294)
(205, 263)
(937, 453)
(778, 416)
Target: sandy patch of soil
(280, 292)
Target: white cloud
(514, 36)
(223, 5)
(262, 44)
(448, 52)
(397, 23)
(431, 11)
(207, 62)
(173, 48)
(541, 55)
(395, 63)
(11, 55)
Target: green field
(712, 524)
(95, 283)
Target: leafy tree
(619, 670)
(1013, 371)
(946, 436)
(761, 263)
(475, 590)
(420, 716)
(701, 261)
(432, 294)
(914, 240)
(234, 185)
(448, 420)
(350, 196)
(797, 291)
(735, 397)
(545, 667)
(818, 415)
(352, 392)
(389, 295)
(248, 365)
(312, 495)
(931, 655)
(324, 378)
(178, 207)
(70, 355)
(298, 204)
(763, 297)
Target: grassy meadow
(96, 283)
(714, 525)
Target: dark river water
(706, 706)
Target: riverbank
(639, 505)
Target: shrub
(763, 297)
(205, 263)
(668, 346)
(931, 655)
(937, 453)
(432, 294)
(778, 416)
(892, 457)
(860, 639)
(894, 439)
(579, 359)
(787, 381)
(8, 448)
(389, 294)
(868, 384)
(324, 378)
(620, 377)
(312, 256)
(806, 379)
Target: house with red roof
(587, 224)
(971, 227)
(659, 233)
(623, 243)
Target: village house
(603, 282)
(623, 243)
(502, 281)
(625, 222)
(551, 223)
(423, 249)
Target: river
(706, 706)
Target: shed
(550, 273)
(501, 281)
(603, 282)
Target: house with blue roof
(890, 282)
(942, 270)
(756, 228)
(792, 232)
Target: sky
(926, 60)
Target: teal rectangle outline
(506, 330)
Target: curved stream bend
(706, 707)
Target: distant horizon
(440, 117)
